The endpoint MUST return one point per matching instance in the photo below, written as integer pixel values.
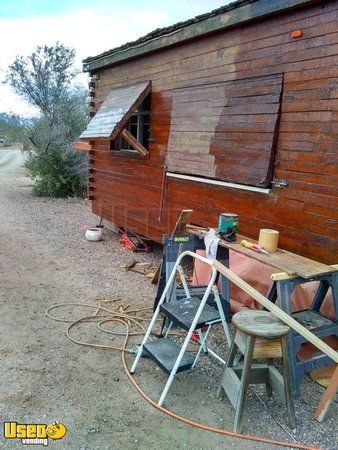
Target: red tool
(133, 241)
(255, 247)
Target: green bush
(46, 78)
(62, 172)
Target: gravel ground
(45, 260)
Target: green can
(227, 220)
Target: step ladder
(191, 314)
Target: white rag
(211, 244)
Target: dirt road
(45, 260)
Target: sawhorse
(321, 326)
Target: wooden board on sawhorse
(282, 260)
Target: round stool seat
(260, 324)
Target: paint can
(227, 220)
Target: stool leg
(287, 385)
(268, 387)
(248, 356)
(229, 363)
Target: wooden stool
(259, 335)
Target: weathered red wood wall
(127, 191)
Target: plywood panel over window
(227, 131)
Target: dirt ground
(45, 260)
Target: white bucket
(93, 234)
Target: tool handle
(251, 246)
(247, 244)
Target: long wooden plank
(276, 311)
(288, 262)
(284, 276)
(327, 397)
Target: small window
(138, 126)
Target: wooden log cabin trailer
(232, 111)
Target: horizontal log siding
(127, 191)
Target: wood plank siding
(245, 105)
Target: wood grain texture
(142, 151)
(327, 397)
(264, 348)
(116, 110)
(306, 211)
(223, 142)
(181, 223)
(290, 263)
(260, 324)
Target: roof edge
(199, 27)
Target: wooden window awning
(116, 110)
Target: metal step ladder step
(196, 291)
(164, 352)
(191, 313)
(183, 312)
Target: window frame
(116, 145)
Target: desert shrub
(46, 80)
(59, 173)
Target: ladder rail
(203, 340)
(171, 280)
(191, 329)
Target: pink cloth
(257, 275)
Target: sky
(91, 27)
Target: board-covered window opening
(138, 126)
(226, 131)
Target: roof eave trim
(213, 24)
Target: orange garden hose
(125, 319)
